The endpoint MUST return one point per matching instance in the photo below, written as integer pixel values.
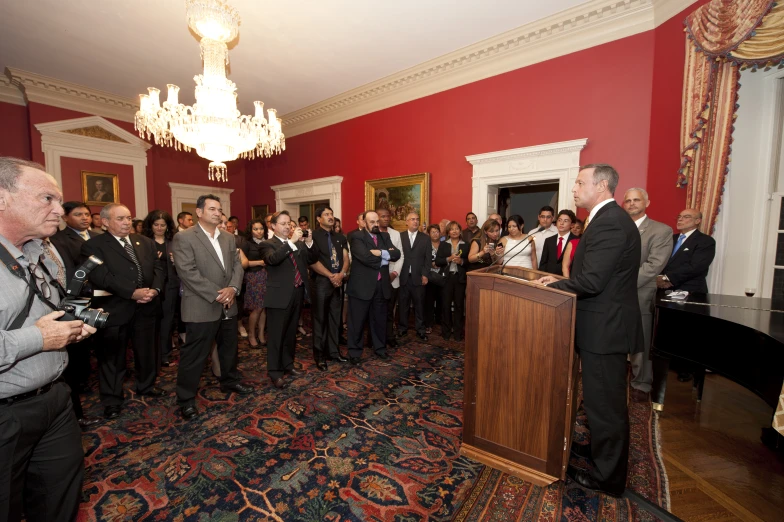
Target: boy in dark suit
(555, 246)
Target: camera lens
(94, 317)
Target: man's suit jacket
(551, 261)
(202, 274)
(281, 271)
(117, 275)
(365, 266)
(417, 259)
(604, 277)
(688, 268)
(69, 244)
(656, 249)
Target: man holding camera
(126, 286)
(41, 456)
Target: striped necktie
(47, 246)
(128, 248)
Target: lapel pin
(137, 243)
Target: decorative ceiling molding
(66, 95)
(587, 25)
(95, 131)
(10, 93)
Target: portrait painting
(99, 188)
(400, 195)
(258, 211)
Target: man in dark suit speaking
(608, 324)
(369, 287)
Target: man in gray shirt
(41, 456)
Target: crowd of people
(201, 276)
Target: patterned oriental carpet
(375, 442)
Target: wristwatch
(236, 290)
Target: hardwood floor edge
(713, 492)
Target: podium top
(516, 272)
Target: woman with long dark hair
(517, 254)
(255, 282)
(484, 249)
(453, 255)
(160, 227)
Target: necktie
(51, 255)
(560, 246)
(585, 225)
(375, 242)
(84, 235)
(333, 256)
(297, 275)
(128, 248)
(681, 239)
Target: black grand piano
(741, 338)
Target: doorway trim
(184, 193)
(289, 195)
(559, 162)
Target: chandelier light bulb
(212, 126)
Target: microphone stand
(518, 245)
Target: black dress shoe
(581, 450)
(458, 338)
(237, 388)
(393, 343)
(188, 412)
(446, 336)
(340, 358)
(86, 422)
(342, 340)
(294, 372)
(584, 480)
(154, 392)
(383, 355)
(422, 337)
(112, 412)
(278, 383)
(322, 365)
(355, 360)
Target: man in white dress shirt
(384, 219)
(546, 228)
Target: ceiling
(289, 54)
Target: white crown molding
(593, 23)
(66, 95)
(549, 149)
(10, 93)
(57, 144)
(288, 196)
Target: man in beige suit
(209, 268)
(656, 242)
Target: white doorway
(184, 197)
(552, 163)
(289, 196)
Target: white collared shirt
(81, 233)
(215, 244)
(597, 207)
(411, 237)
(687, 234)
(539, 238)
(638, 222)
(121, 239)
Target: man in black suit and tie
(68, 243)
(287, 260)
(692, 255)
(126, 286)
(608, 326)
(555, 246)
(329, 271)
(417, 258)
(369, 287)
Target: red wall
(602, 93)
(14, 137)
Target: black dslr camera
(77, 308)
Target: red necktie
(297, 276)
(560, 246)
(375, 242)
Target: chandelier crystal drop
(212, 126)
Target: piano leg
(699, 382)
(661, 367)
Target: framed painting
(100, 189)
(258, 211)
(401, 195)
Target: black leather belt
(22, 396)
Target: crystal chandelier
(213, 125)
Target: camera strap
(13, 266)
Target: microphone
(521, 243)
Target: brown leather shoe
(278, 383)
(294, 372)
(639, 395)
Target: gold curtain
(723, 37)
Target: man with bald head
(656, 240)
(127, 286)
(691, 256)
(41, 456)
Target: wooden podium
(520, 374)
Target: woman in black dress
(255, 282)
(160, 227)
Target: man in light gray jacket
(656, 242)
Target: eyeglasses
(685, 216)
(38, 274)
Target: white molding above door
(289, 195)
(184, 193)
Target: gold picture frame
(259, 211)
(401, 195)
(100, 188)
